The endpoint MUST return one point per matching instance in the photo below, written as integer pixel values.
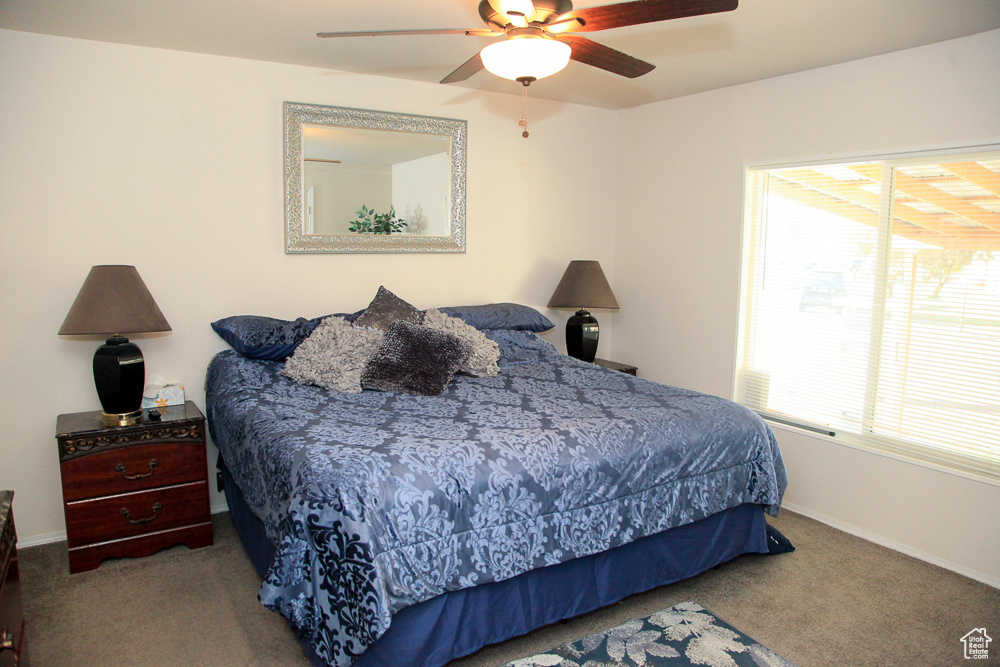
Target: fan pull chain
(524, 112)
(525, 81)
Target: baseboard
(219, 508)
(896, 546)
(38, 540)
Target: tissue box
(171, 394)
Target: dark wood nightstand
(133, 490)
(13, 642)
(614, 365)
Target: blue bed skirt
(436, 631)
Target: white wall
(173, 162)
(678, 233)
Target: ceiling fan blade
(475, 32)
(643, 11)
(603, 57)
(465, 70)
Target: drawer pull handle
(7, 644)
(139, 475)
(128, 515)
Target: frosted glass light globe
(534, 57)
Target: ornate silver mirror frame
(388, 127)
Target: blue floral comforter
(377, 501)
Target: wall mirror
(373, 181)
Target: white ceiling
(761, 39)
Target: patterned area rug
(682, 635)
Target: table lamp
(114, 300)
(583, 286)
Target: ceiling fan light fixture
(526, 57)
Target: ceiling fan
(540, 35)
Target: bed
(390, 528)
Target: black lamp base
(120, 375)
(581, 336)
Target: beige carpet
(837, 600)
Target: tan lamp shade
(113, 300)
(583, 286)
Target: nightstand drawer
(132, 469)
(133, 514)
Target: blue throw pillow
(501, 316)
(776, 542)
(269, 338)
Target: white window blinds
(871, 304)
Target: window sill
(925, 461)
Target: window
(871, 304)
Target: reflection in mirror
(345, 169)
(368, 181)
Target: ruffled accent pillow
(414, 359)
(385, 309)
(333, 356)
(482, 360)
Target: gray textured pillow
(482, 361)
(385, 309)
(415, 359)
(333, 356)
